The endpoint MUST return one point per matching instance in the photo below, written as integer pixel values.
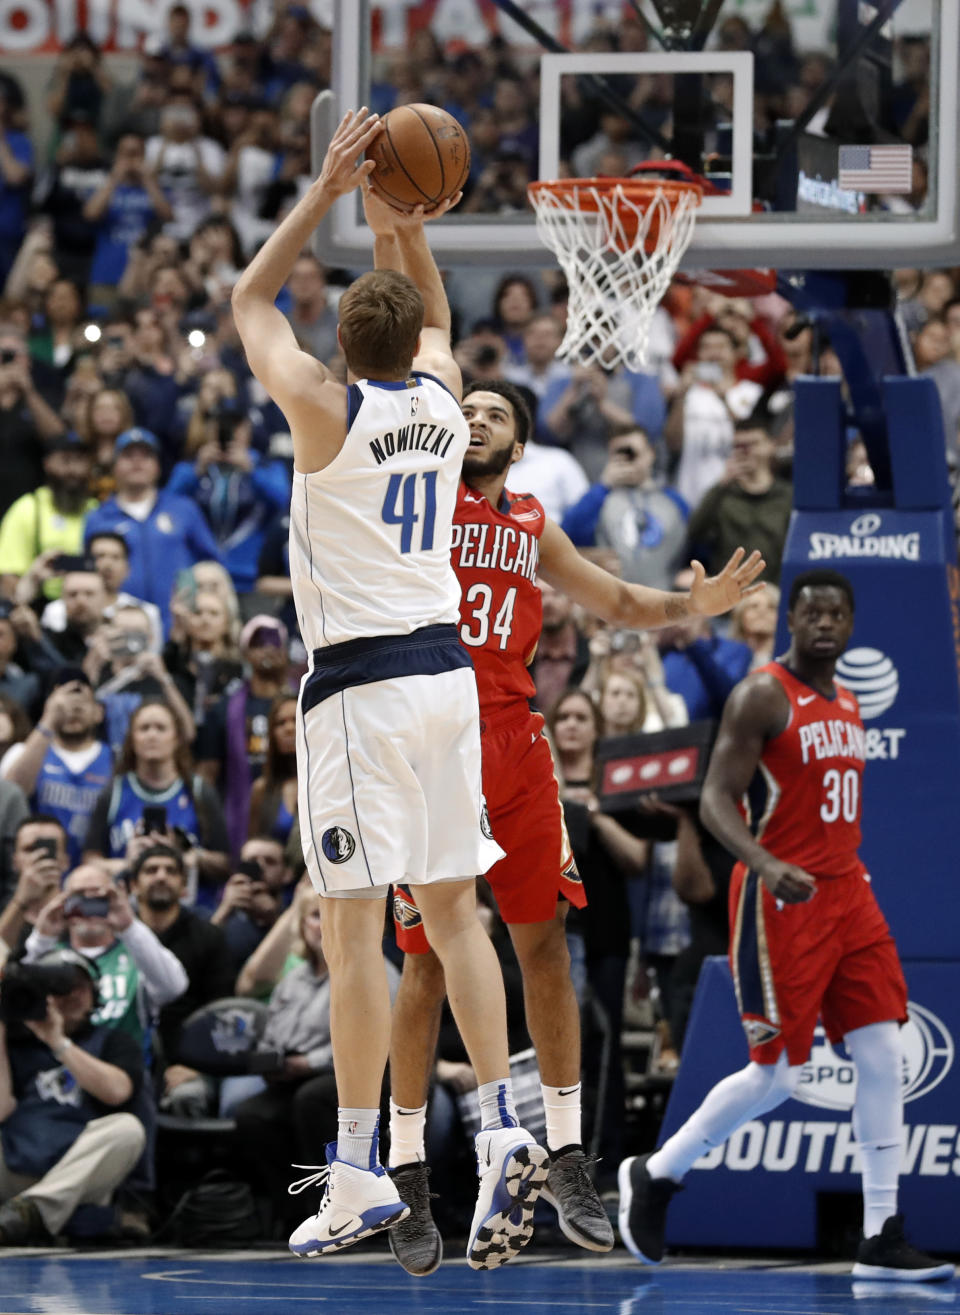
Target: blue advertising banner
(760, 1189)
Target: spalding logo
(830, 1081)
(874, 679)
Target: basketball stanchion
(619, 242)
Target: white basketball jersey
(370, 533)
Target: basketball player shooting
(807, 936)
(388, 740)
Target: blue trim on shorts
(429, 651)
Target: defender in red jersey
(501, 543)
(783, 793)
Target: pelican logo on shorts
(337, 844)
(405, 912)
(759, 1031)
(485, 826)
(829, 1078)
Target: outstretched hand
(343, 170)
(715, 594)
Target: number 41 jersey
(495, 555)
(803, 804)
(370, 533)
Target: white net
(618, 248)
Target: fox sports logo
(874, 679)
(829, 1079)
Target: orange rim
(573, 191)
(584, 195)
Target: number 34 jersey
(370, 533)
(804, 802)
(496, 551)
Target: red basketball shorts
(832, 958)
(523, 800)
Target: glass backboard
(827, 127)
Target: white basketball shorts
(388, 751)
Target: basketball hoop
(619, 242)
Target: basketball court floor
(170, 1282)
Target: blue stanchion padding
(904, 657)
(761, 1189)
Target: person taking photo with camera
(239, 492)
(110, 557)
(631, 511)
(137, 975)
(67, 1086)
(126, 668)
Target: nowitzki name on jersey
(412, 438)
(832, 739)
(495, 548)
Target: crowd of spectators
(149, 648)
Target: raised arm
(634, 606)
(400, 243)
(292, 377)
(757, 710)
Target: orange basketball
(422, 157)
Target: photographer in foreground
(66, 1085)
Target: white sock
(742, 1096)
(357, 1137)
(407, 1128)
(497, 1109)
(561, 1105)
(878, 1118)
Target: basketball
(422, 157)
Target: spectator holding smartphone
(110, 557)
(62, 766)
(136, 974)
(129, 201)
(48, 521)
(238, 491)
(634, 513)
(249, 906)
(84, 600)
(39, 863)
(125, 666)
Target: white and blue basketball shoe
(513, 1169)
(356, 1204)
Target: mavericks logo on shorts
(337, 844)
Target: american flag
(876, 168)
